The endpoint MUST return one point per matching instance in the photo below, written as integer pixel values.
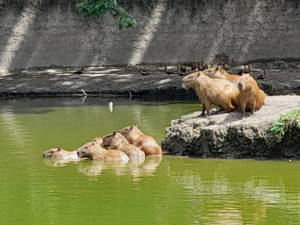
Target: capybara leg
(207, 106)
(203, 109)
(230, 107)
(253, 108)
(243, 109)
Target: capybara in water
(218, 72)
(117, 141)
(94, 151)
(251, 98)
(61, 154)
(219, 92)
(146, 143)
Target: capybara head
(131, 132)
(53, 153)
(89, 150)
(114, 140)
(242, 83)
(189, 80)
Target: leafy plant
(101, 7)
(280, 127)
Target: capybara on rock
(251, 97)
(61, 154)
(146, 143)
(117, 141)
(94, 151)
(219, 92)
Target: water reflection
(17, 135)
(134, 169)
(59, 162)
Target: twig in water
(83, 99)
(130, 95)
(84, 93)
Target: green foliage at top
(101, 7)
(282, 124)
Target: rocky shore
(143, 81)
(227, 135)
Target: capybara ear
(59, 149)
(114, 133)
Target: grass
(280, 127)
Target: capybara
(61, 154)
(250, 98)
(117, 141)
(218, 72)
(146, 143)
(219, 92)
(94, 151)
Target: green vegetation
(101, 7)
(280, 127)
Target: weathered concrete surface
(227, 135)
(36, 33)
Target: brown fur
(60, 153)
(251, 98)
(146, 143)
(219, 92)
(117, 141)
(94, 151)
(218, 72)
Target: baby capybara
(251, 97)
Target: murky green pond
(177, 190)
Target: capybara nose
(43, 155)
(78, 154)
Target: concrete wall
(36, 33)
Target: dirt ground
(142, 81)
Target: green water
(177, 190)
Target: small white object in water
(111, 107)
(290, 160)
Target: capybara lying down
(219, 92)
(94, 151)
(251, 97)
(218, 72)
(117, 141)
(146, 143)
(61, 154)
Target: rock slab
(227, 135)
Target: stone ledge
(226, 135)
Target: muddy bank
(140, 81)
(93, 81)
(228, 136)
